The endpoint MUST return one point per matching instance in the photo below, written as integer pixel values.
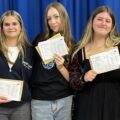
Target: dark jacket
(21, 70)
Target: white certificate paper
(105, 61)
(53, 46)
(11, 89)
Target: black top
(19, 71)
(97, 100)
(47, 82)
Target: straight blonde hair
(22, 40)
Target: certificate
(53, 46)
(105, 61)
(37, 48)
(11, 89)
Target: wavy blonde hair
(112, 38)
(22, 40)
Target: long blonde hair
(112, 38)
(66, 30)
(22, 40)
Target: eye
(108, 21)
(14, 23)
(6, 24)
(99, 19)
(48, 19)
(56, 16)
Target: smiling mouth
(54, 27)
(11, 31)
(103, 27)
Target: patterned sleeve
(76, 76)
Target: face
(53, 19)
(11, 27)
(102, 24)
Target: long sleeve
(76, 76)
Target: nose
(103, 22)
(11, 26)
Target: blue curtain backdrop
(32, 12)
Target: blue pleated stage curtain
(32, 12)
